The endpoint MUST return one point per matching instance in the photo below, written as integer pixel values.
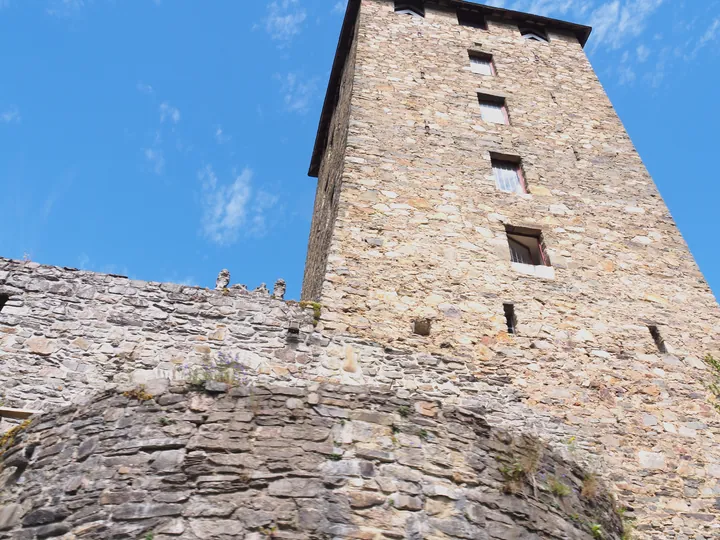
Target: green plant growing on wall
(317, 310)
(557, 487)
(224, 368)
(596, 531)
(335, 457)
(138, 393)
(404, 411)
(714, 384)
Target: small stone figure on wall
(223, 279)
(279, 289)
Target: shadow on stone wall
(327, 461)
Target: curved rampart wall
(285, 462)
(67, 334)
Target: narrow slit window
(509, 176)
(534, 34)
(481, 64)
(472, 18)
(510, 318)
(493, 109)
(3, 300)
(527, 247)
(658, 339)
(410, 7)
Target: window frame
(534, 34)
(496, 101)
(534, 237)
(415, 8)
(497, 162)
(484, 57)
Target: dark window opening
(472, 18)
(410, 7)
(510, 318)
(527, 246)
(3, 300)
(534, 33)
(658, 339)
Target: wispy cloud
(617, 22)
(711, 34)
(227, 208)
(168, 112)
(11, 115)
(284, 19)
(340, 6)
(643, 53)
(65, 8)
(297, 93)
(156, 159)
(144, 88)
(220, 136)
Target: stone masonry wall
(329, 183)
(421, 233)
(283, 462)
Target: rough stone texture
(418, 236)
(330, 180)
(367, 469)
(420, 233)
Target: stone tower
(479, 197)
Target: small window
(481, 64)
(411, 7)
(493, 109)
(534, 34)
(527, 246)
(510, 318)
(658, 339)
(509, 176)
(3, 300)
(472, 18)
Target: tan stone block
(41, 346)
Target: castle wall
(285, 462)
(327, 196)
(421, 233)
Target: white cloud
(11, 115)
(643, 53)
(65, 8)
(220, 136)
(711, 34)
(615, 23)
(297, 93)
(155, 157)
(284, 19)
(167, 111)
(227, 208)
(340, 6)
(224, 206)
(144, 88)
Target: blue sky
(168, 139)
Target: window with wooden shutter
(527, 246)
